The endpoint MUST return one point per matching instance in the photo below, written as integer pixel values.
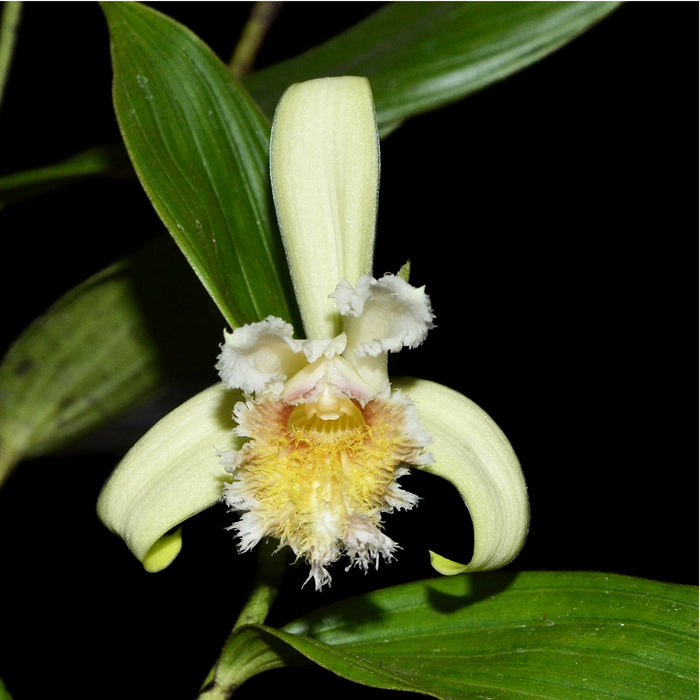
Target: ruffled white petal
(169, 475)
(472, 453)
(384, 315)
(260, 356)
(324, 164)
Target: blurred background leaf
(4, 694)
(111, 161)
(108, 344)
(9, 24)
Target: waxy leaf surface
(502, 635)
(199, 145)
(422, 55)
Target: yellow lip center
(319, 475)
(329, 414)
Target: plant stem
(11, 14)
(231, 668)
(261, 18)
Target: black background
(552, 218)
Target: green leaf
(9, 25)
(4, 693)
(501, 635)
(102, 348)
(421, 55)
(102, 160)
(199, 145)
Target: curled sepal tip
(170, 474)
(472, 453)
(324, 165)
(446, 566)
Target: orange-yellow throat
(318, 477)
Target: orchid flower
(307, 439)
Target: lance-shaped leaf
(473, 454)
(169, 475)
(199, 145)
(105, 346)
(557, 635)
(324, 162)
(421, 55)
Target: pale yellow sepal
(473, 454)
(170, 474)
(446, 566)
(324, 165)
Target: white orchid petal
(170, 474)
(383, 315)
(260, 356)
(473, 454)
(324, 164)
